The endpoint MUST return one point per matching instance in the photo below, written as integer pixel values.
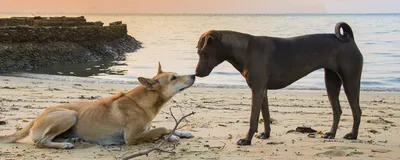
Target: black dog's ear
(208, 39)
(150, 84)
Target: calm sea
(171, 40)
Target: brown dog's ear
(149, 83)
(159, 68)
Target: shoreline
(96, 80)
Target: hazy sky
(201, 6)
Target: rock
(3, 121)
(274, 143)
(60, 40)
(8, 87)
(380, 150)
(373, 131)
(332, 153)
(116, 23)
(305, 130)
(291, 131)
(311, 135)
(380, 120)
(222, 125)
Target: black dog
(274, 63)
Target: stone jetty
(29, 42)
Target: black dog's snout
(193, 76)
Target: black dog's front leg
(257, 100)
(267, 121)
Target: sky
(200, 6)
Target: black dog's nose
(193, 76)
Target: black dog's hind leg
(351, 84)
(333, 84)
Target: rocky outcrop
(29, 42)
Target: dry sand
(222, 117)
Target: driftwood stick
(158, 147)
(176, 121)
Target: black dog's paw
(350, 136)
(243, 142)
(329, 135)
(263, 135)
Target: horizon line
(156, 13)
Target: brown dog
(274, 63)
(124, 118)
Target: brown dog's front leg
(267, 121)
(135, 134)
(257, 100)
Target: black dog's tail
(347, 32)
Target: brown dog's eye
(173, 78)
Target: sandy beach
(222, 117)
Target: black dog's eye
(173, 78)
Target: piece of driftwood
(158, 147)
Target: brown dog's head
(209, 49)
(167, 83)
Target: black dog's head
(209, 49)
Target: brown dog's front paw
(243, 142)
(263, 135)
(350, 136)
(68, 146)
(329, 135)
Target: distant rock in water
(30, 42)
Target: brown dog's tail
(347, 32)
(17, 135)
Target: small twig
(186, 121)
(223, 146)
(170, 110)
(158, 147)
(184, 125)
(180, 107)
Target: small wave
(382, 53)
(187, 58)
(372, 83)
(386, 54)
(397, 80)
(385, 32)
(226, 73)
(176, 39)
